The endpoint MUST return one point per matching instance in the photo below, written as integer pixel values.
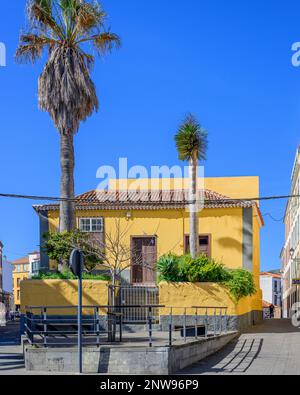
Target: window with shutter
(204, 244)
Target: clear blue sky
(228, 62)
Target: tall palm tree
(191, 142)
(65, 28)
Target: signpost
(76, 266)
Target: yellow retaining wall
(63, 293)
(181, 295)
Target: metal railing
(129, 296)
(105, 324)
(204, 316)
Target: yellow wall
(188, 295)
(234, 187)
(63, 293)
(18, 276)
(170, 226)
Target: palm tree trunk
(67, 208)
(194, 224)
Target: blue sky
(227, 62)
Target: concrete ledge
(125, 360)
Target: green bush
(58, 246)
(184, 263)
(67, 275)
(168, 268)
(204, 270)
(173, 268)
(240, 283)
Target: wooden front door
(144, 257)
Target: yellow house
(20, 273)
(155, 215)
(158, 222)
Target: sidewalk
(272, 348)
(11, 353)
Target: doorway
(144, 258)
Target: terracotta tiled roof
(266, 305)
(144, 200)
(21, 261)
(274, 275)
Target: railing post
(196, 324)
(150, 326)
(121, 324)
(170, 327)
(221, 318)
(98, 326)
(215, 322)
(184, 325)
(45, 327)
(226, 318)
(206, 323)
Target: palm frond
(88, 59)
(105, 42)
(63, 27)
(31, 47)
(90, 16)
(66, 90)
(191, 140)
(40, 14)
(39, 10)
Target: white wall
(266, 285)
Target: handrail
(45, 325)
(94, 307)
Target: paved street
(272, 348)
(11, 357)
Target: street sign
(296, 281)
(76, 263)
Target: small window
(91, 225)
(204, 240)
(35, 266)
(204, 245)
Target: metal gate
(135, 296)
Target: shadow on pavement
(236, 358)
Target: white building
(290, 254)
(34, 263)
(271, 286)
(1, 266)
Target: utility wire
(81, 200)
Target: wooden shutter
(137, 268)
(204, 245)
(149, 262)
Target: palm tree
(65, 28)
(191, 142)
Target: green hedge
(69, 276)
(174, 268)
